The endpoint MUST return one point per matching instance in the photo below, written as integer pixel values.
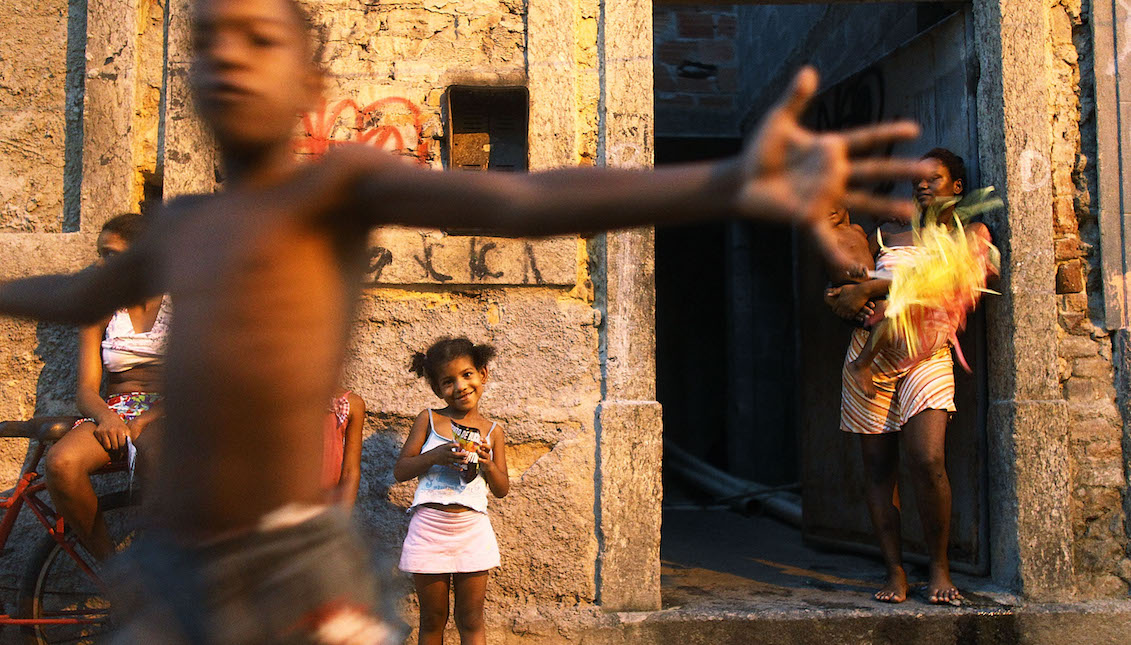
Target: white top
(442, 484)
(124, 348)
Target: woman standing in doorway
(913, 401)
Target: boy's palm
(797, 175)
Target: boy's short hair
(954, 164)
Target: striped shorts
(902, 392)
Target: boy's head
(947, 177)
(430, 363)
(838, 215)
(254, 70)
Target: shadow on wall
(57, 346)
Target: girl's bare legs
(471, 588)
(925, 434)
(432, 593)
(881, 465)
(861, 369)
(69, 464)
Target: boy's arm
(90, 295)
(786, 173)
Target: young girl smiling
(450, 542)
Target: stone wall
(33, 75)
(1085, 348)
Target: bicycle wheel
(56, 588)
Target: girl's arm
(493, 463)
(351, 464)
(411, 463)
(111, 431)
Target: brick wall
(1085, 348)
(696, 71)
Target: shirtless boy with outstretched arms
(265, 276)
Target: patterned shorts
(128, 405)
(901, 392)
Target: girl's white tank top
(442, 484)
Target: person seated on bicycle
(128, 347)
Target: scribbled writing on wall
(413, 257)
(394, 123)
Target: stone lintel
(407, 256)
(630, 451)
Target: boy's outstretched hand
(797, 175)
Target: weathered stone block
(1067, 248)
(1070, 277)
(1087, 389)
(1092, 367)
(630, 441)
(1078, 347)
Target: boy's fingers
(883, 169)
(803, 88)
(898, 209)
(866, 137)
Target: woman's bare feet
(862, 375)
(895, 589)
(941, 589)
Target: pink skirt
(442, 542)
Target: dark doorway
(724, 333)
(748, 357)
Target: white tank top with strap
(442, 484)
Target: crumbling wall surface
(1085, 347)
(33, 71)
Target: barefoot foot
(862, 376)
(941, 590)
(895, 589)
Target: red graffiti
(394, 123)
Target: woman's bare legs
(69, 464)
(881, 466)
(925, 437)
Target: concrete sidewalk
(734, 579)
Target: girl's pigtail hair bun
(482, 354)
(418, 364)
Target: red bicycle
(61, 597)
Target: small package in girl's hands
(468, 439)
